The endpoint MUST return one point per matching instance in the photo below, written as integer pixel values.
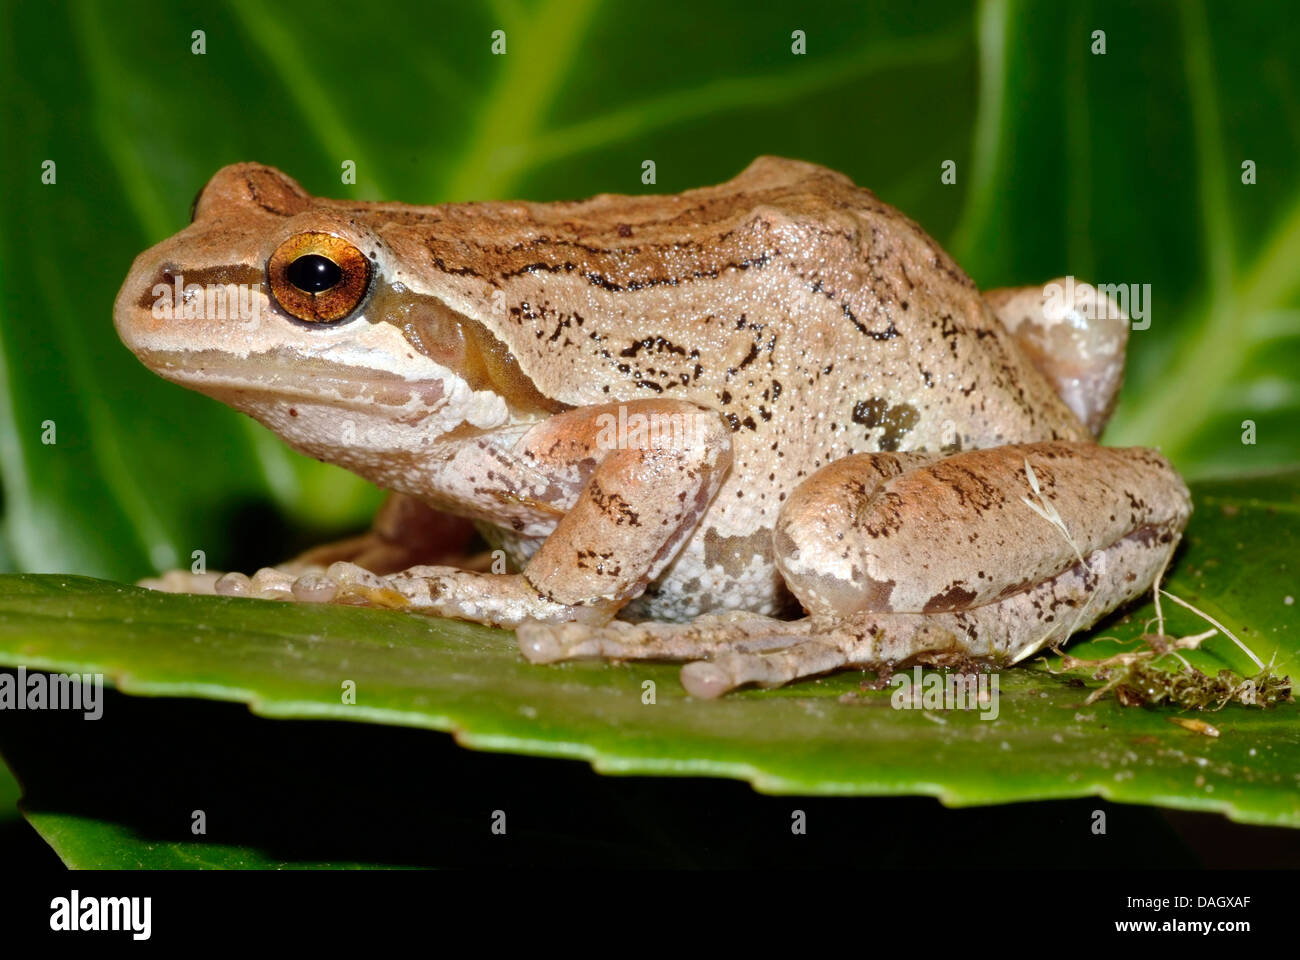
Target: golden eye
(318, 277)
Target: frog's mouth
(275, 377)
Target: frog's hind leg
(994, 552)
(971, 529)
(990, 554)
(1006, 630)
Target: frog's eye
(318, 277)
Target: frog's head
(282, 305)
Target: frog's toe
(182, 581)
(541, 642)
(728, 650)
(233, 585)
(272, 583)
(731, 669)
(546, 642)
(539, 646)
(344, 582)
(315, 587)
(706, 680)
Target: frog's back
(784, 291)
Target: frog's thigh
(968, 530)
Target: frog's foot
(729, 650)
(705, 636)
(405, 532)
(502, 600)
(733, 649)
(182, 581)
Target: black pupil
(314, 273)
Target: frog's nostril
(164, 276)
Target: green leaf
(9, 793)
(85, 843)
(290, 660)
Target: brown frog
(699, 412)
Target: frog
(768, 429)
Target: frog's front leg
(990, 553)
(614, 491)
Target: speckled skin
(801, 318)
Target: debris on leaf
(1136, 681)
(1196, 726)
